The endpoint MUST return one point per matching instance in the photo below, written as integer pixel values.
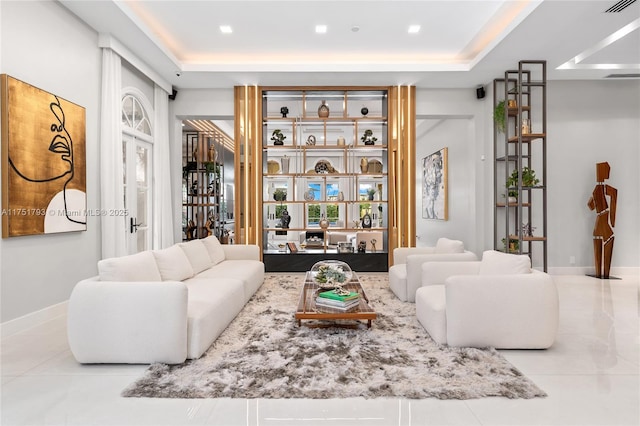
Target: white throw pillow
(215, 249)
(173, 264)
(499, 263)
(197, 254)
(136, 267)
(445, 245)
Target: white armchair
(405, 276)
(499, 302)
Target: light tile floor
(590, 374)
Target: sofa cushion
(215, 249)
(210, 309)
(499, 263)
(136, 267)
(173, 264)
(197, 254)
(250, 272)
(445, 245)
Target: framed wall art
(434, 186)
(43, 161)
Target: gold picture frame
(43, 161)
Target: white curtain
(162, 209)
(111, 173)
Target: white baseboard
(11, 327)
(584, 270)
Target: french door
(137, 155)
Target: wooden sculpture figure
(605, 220)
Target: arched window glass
(134, 115)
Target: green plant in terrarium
(528, 179)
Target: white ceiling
(460, 44)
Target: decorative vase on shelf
(309, 195)
(212, 155)
(341, 141)
(284, 111)
(284, 162)
(364, 111)
(340, 196)
(364, 165)
(324, 223)
(323, 110)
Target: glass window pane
(141, 166)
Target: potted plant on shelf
(280, 195)
(500, 117)
(529, 179)
(514, 245)
(370, 193)
(368, 137)
(278, 137)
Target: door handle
(133, 226)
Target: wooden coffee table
(307, 304)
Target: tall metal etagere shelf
(520, 224)
(203, 209)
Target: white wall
(454, 119)
(591, 122)
(588, 122)
(46, 46)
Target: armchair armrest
(241, 251)
(435, 273)
(503, 311)
(128, 322)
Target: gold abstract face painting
(44, 166)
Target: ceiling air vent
(620, 6)
(637, 75)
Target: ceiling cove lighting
(226, 29)
(321, 29)
(413, 29)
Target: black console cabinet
(302, 262)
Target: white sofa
(163, 305)
(498, 302)
(405, 276)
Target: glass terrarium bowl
(330, 274)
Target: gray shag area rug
(264, 354)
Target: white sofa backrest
(499, 263)
(136, 267)
(436, 273)
(400, 253)
(215, 249)
(445, 245)
(197, 254)
(173, 264)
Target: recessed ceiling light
(321, 29)
(413, 29)
(226, 29)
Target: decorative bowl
(330, 274)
